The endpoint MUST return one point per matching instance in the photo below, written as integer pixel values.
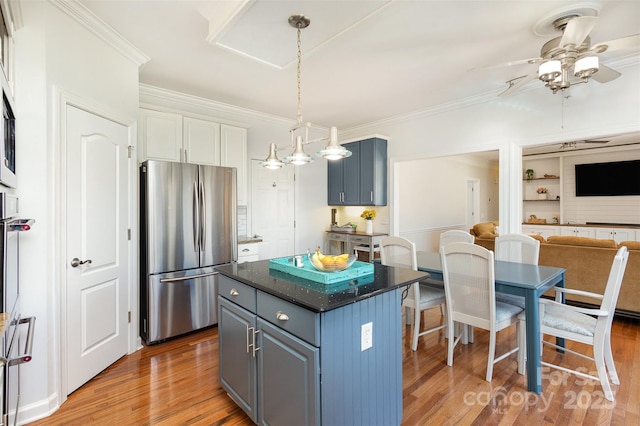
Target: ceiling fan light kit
(333, 150)
(570, 59)
(587, 66)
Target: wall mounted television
(614, 178)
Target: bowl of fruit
(331, 263)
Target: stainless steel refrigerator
(187, 226)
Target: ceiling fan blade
(629, 42)
(508, 64)
(605, 74)
(577, 30)
(521, 82)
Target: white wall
(432, 196)
(54, 52)
(531, 117)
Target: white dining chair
(400, 252)
(517, 248)
(469, 283)
(455, 236)
(447, 237)
(588, 326)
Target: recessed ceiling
(363, 61)
(260, 30)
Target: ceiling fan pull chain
(562, 110)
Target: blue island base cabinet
(286, 365)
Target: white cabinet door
(233, 153)
(248, 252)
(542, 230)
(617, 234)
(161, 135)
(201, 141)
(579, 231)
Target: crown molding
(89, 20)
(154, 96)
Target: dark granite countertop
(316, 296)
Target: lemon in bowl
(332, 263)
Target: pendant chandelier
(333, 150)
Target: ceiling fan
(570, 58)
(573, 144)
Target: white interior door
(96, 290)
(473, 202)
(272, 200)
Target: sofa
(587, 262)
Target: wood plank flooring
(176, 383)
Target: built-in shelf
(542, 200)
(542, 178)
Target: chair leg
(407, 315)
(522, 347)
(598, 357)
(608, 358)
(451, 341)
(416, 328)
(492, 354)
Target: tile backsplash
(242, 220)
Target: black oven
(11, 226)
(8, 145)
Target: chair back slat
(469, 278)
(398, 251)
(614, 282)
(455, 236)
(517, 248)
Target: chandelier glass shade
(333, 150)
(298, 157)
(272, 162)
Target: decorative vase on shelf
(368, 226)
(542, 196)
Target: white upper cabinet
(171, 137)
(233, 153)
(161, 135)
(201, 143)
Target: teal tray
(285, 264)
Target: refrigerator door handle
(203, 217)
(196, 217)
(189, 277)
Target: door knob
(75, 262)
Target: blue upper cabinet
(359, 180)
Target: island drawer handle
(234, 292)
(282, 316)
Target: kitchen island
(295, 351)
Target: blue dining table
(529, 281)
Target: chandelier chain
(299, 73)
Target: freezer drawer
(180, 302)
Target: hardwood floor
(176, 383)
